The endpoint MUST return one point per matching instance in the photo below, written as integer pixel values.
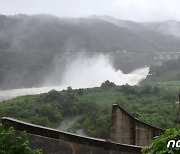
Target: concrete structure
(126, 137)
(126, 129)
(58, 142)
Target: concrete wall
(126, 129)
(122, 127)
(126, 132)
(58, 142)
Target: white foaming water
(90, 72)
(8, 94)
(85, 72)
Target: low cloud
(136, 10)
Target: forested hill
(29, 44)
(22, 33)
(151, 104)
(168, 72)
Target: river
(132, 78)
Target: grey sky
(137, 10)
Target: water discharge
(91, 72)
(85, 72)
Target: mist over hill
(31, 46)
(168, 27)
(22, 33)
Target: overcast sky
(136, 10)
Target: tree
(107, 84)
(69, 89)
(159, 144)
(10, 144)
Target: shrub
(10, 144)
(159, 144)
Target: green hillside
(166, 72)
(154, 105)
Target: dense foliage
(159, 144)
(165, 67)
(9, 144)
(168, 71)
(154, 105)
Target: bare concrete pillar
(122, 126)
(126, 129)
